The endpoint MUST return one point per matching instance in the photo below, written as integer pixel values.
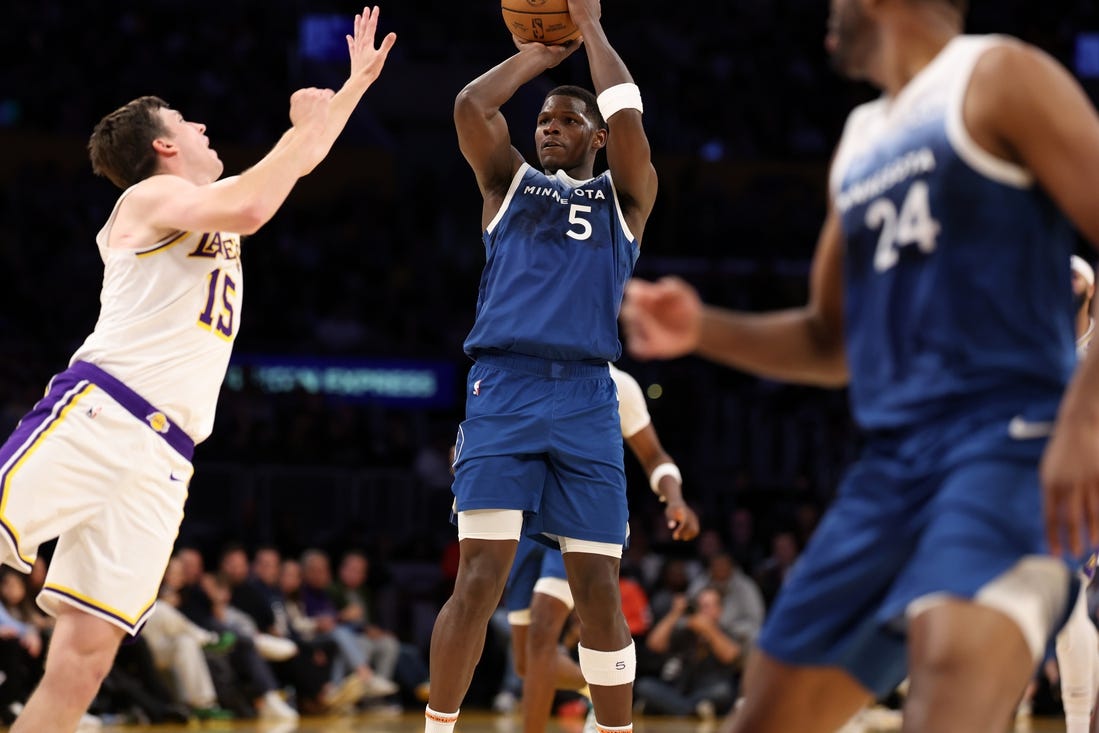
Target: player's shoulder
(1005, 64)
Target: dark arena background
(347, 382)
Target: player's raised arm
(246, 202)
(482, 130)
(628, 153)
(666, 319)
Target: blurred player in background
(538, 598)
(540, 450)
(103, 461)
(939, 294)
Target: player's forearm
(785, 345)
(497, 85)
(342, 104)
(607, 67)
(258, 192)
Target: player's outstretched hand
(1070, 485)
(682, 520)
(662, 320)
(367, 61)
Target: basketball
(543, 21)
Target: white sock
(436, 722)
(612, 729)
(1077, 649)
(1077, 723)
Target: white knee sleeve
(609, 669)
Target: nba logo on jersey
(477, 387)
(158, 421)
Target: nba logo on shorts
(477, 387)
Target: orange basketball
(544, 21)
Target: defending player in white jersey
(104, 459)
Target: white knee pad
(490, 524)
(557, 588)
(609, 669)
(1032, 594)
(519, 618)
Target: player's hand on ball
(367, 61)
(554, 54)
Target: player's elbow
(470, 104)
(251, 217)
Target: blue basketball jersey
(559, 254)
(958, 288)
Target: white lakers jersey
(168, 316)
(631, 403)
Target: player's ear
(599, 139)
(165, 146)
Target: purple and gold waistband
(134, 403)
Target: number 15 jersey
(559, 254)
(168, 316)
(957, 287)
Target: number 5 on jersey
(219, 297)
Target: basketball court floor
(472, 723)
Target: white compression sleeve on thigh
(1077, 657)
(490, 524)
(608, 669)
(592, 548)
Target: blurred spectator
(699, 674)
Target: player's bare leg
(827, 697)
(593, 579)
(81, 653)
(459, 634)
(540, 662)
(968, 666)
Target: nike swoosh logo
(1022, 429)
(173, 477)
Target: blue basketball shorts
(544, 437)
(899, 531)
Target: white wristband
(619, 97)
(664, 469)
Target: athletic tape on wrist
(609, 669)
(664, 469)
(619, 97)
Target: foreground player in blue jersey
(941, 295)
(540, 451)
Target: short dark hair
(121, 145)
(591, 106)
